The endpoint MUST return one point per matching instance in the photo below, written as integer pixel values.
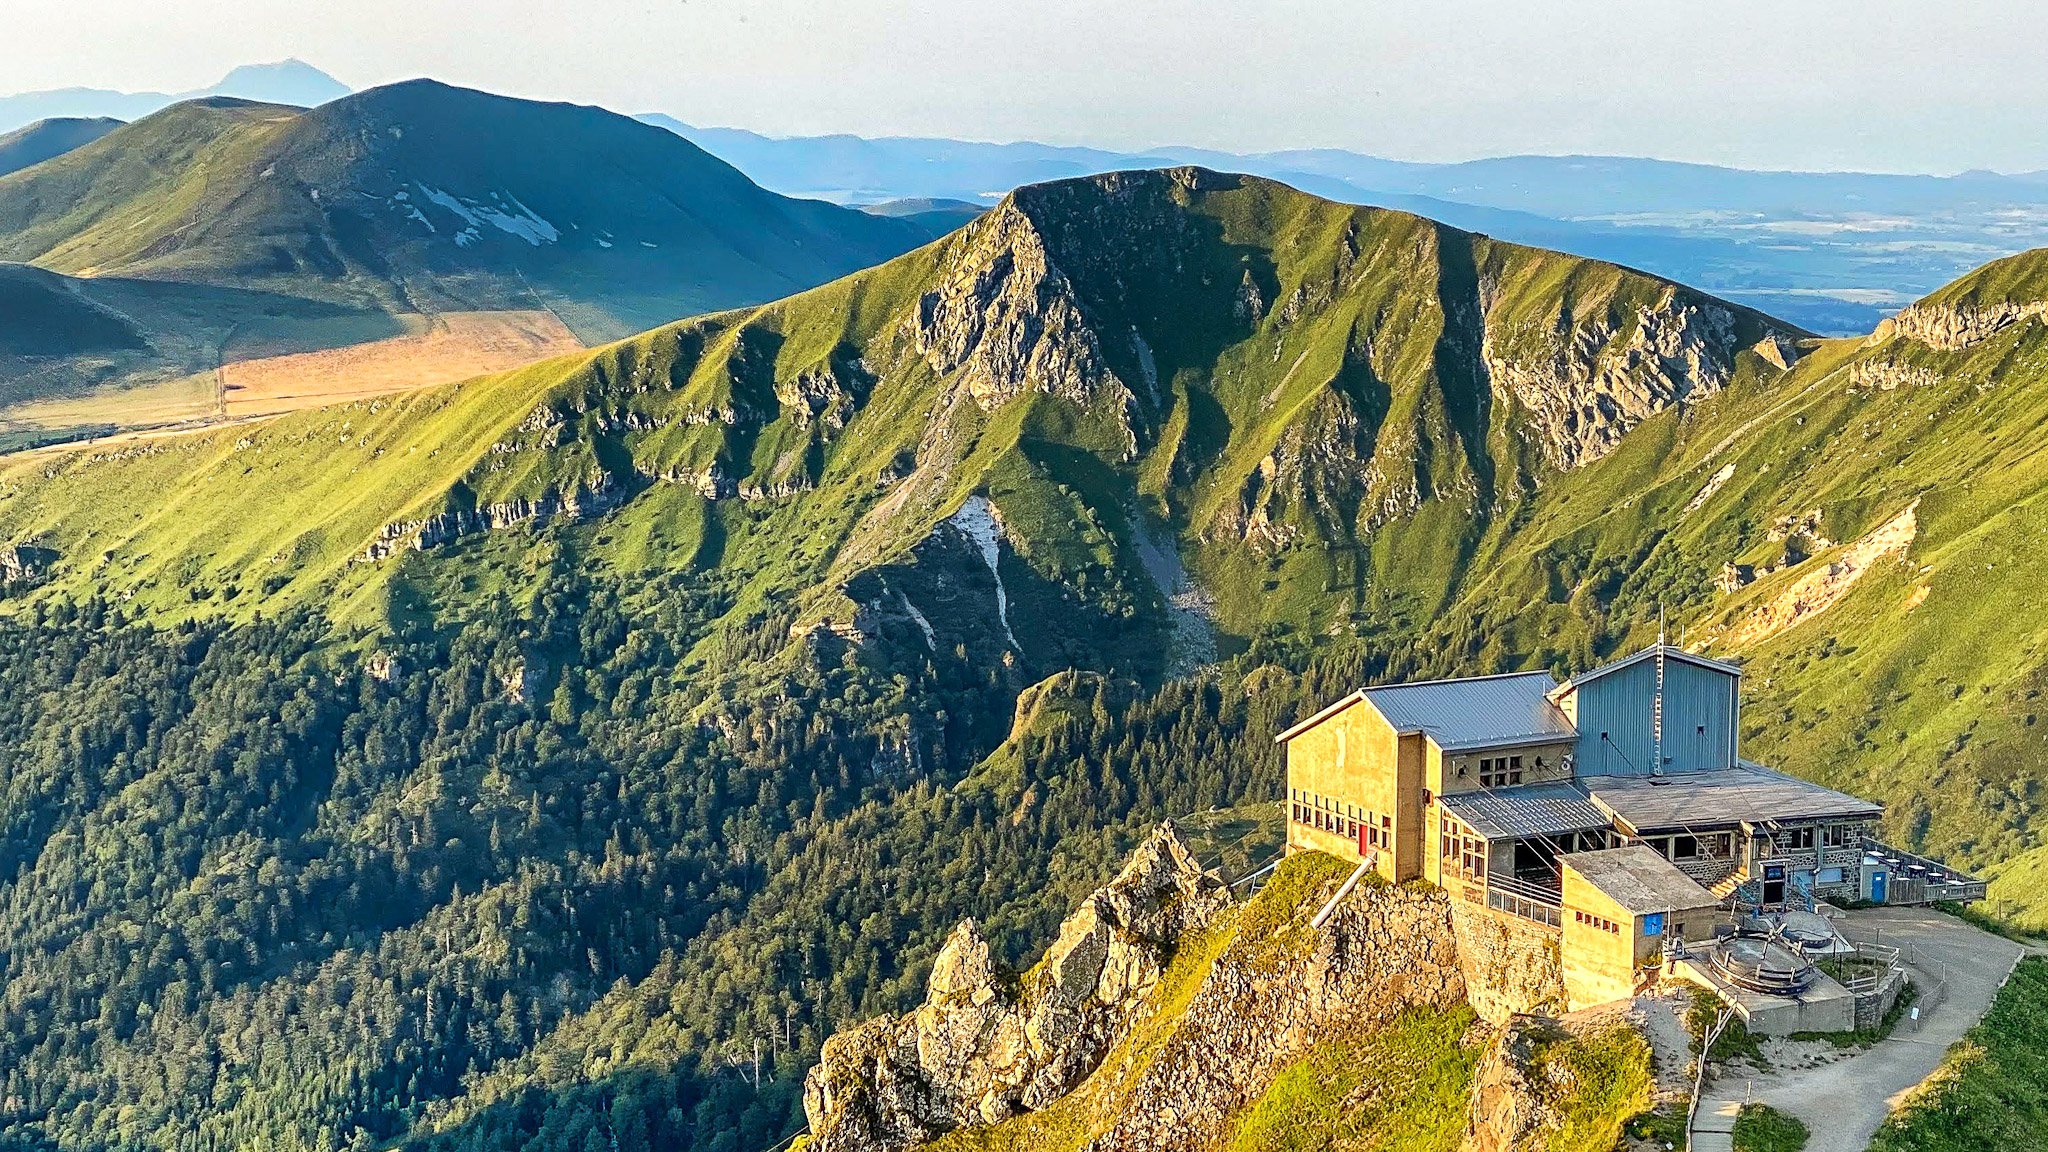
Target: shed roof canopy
(1532, 810)
(1751, 794)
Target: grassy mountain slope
(660, 691)
(420, 195)
(45, 139)
(294, 230)
(1345, 422)
(1291, 392)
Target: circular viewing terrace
(1762, 964)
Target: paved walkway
(1843, 1103)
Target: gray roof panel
(1639, 879)
(1527, 811)
(1474, 713)
(1745, 795)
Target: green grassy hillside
(291, 230)
(662, 691)
(1291, 394)
(1345, 422)
(422, 196)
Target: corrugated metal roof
(1750, 794)
(1479, 712)
(1530, 810)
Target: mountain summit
(285, 82)
(1282, 385)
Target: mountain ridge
(241, 230)
(660, 709)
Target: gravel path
(1843, 1102)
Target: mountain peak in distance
(289, 81)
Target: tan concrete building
(1491, 787)
(1621, 908)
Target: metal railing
(1917, 879)
(1523, 899)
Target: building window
(1500, 771)
(1685, 848)
(1795, 840)
(1841, 836)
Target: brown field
(452, 346)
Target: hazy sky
(1895, 85)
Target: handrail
(1349, 884)
(1525, 890)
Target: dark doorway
(1774, 884)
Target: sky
(1880, 85)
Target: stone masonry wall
(1511, 965)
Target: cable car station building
(1492, 787)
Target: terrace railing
(1526, 900)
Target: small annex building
(1622, 908)
(1502, 788)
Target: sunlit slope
(1903, 660)
(1323, 408)
(420, 196)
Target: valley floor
(437, 349)
(1844, 1102)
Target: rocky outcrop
(1821, 589)
(25, 562)
(1950, 328)
(986, 1045)
(1885, 375)
(1322, 468)
(1008, 321)
(1587, 381)
(1275, 994)
(602, 495)
(1536, 1072)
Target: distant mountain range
(1834, 252)
(285, 82)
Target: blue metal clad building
(1616, 711)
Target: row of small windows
(1461, 850)
(1719, 845)
(1501, 771)
(1600, 922)
(1327, 815)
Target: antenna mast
(1657, 710)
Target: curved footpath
(1844, 1102)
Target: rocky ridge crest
(986, 1045)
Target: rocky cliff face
(1007, 320)
(1586, 382)
(1165, 1013)
(1950, 328)
(985, 1044)
(1272, 996)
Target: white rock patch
(977, 521)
